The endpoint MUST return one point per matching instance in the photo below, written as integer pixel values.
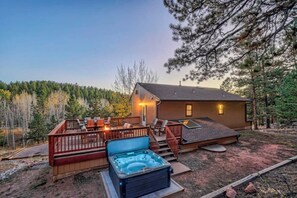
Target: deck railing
(120, 121)
(171, 141)
(176, 129)
(154, 146)
(59, 129)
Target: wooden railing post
(171, 141)
(51, 147)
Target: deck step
(164, 149)
(166, 154)
(170, 159)
(161, 144)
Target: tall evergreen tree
(73, 108)
(286, 104)
(38, 130)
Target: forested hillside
(35, 107)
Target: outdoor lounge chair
(162, 128)
(80, 124)
(154, 124)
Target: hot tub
(134, 169)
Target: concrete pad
(111, 193)
(214, 148)
(179, 168)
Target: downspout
(157, 104)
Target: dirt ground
(35, 181)
(254, 152)
(210, 171)
(281, 182)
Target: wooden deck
(72, 149)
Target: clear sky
(83, 41)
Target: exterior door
(144, 112)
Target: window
(189, 110)
(220, 109)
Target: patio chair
(96, 118)
(100, 123)
(162, 128)
(126, 125)
(80, 124)
(127, 133)
(154, 124)
(107, 122)
(90, 124)
(86, 119)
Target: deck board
(210, 130)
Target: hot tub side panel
(141, 184)
(147, 183)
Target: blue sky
(84, 41)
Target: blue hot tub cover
(126, 145)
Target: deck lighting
(106, 128)
(221, 109)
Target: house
(74, 149)
(176, 102)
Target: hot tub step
(163, 149)
(166, 154)
(170, 159)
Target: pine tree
(73, 108)
(286, 104)
(52, 123)
(211, 32)
(38, 130)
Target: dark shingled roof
(175, 92)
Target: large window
(189, 110)
(220, 109)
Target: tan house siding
(143, 97)
(233, 117)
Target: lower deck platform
(210, 131)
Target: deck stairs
(165, 151)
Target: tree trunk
(255, 123)
(255, 110)
(267, 115)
